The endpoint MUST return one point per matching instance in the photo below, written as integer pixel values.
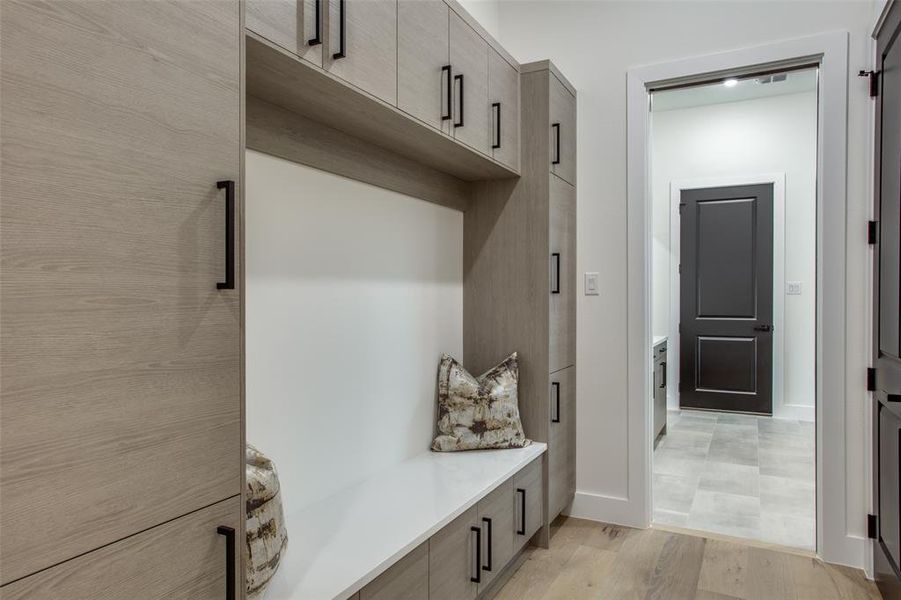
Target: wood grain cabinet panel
(407, 579)
(292, 24)
(121, 391)
(503, 98)
(452, 559)
(563, 135)
(469, 59)
(562, 441)
(184, 559)
(562, 336)
(423, 61)
(496, 520)
(369, 59)
(527, 513)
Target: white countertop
(338, 545)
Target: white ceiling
(746, 89)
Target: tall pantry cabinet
(121, 439)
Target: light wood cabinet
(424, 79)
(503, 97)
(452, 559)
(362, 45)
(562, 336)
(295, 25)
(121, 360)
(527, 514)
(561, 440)
(563, 131)
(496, 519)
(184, 559)
(407, 579)
(469, 60)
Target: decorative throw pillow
(478, 413)
(266, 534)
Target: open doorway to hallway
(733, 184)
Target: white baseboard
(797, 412)
(606, 509)
(850, 551)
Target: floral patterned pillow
(476, 413)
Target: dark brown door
(887, 299)
(726, 326)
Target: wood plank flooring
(589, 560)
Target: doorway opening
(733, 188)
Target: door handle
(446, 70)
(229, 283)
(478, 576)
(556, 288)
(459, 77)
(342, 31)
(522, 492)
(556, 128)
(663, 376)
(763, 328)
(229, 534)
(316, 39)
(497, 126)
(556, 386)
(487, 522)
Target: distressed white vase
(265, 529)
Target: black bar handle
(342, 31)
(229, 283)
(522, 530)
(556, 288)
(763, 328)
(663, 377)
(229, 534)
(317, 37)
(556, 128)
(893, 397)
(497, 127)
(446, 71)
(556, 386)
(487, 521)
(459, 77)
(478, 575)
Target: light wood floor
(594, 560)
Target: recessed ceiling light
(731, 82)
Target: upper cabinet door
(562, 338)
(469, 60)
(121, 360)
(295, 25)
(503, 95)
(423, 62)
(362, 47)
(563, 131)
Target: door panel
(469, 57)
(498, 508)
(121, 392)
(527, 490)
(370, 46)
(289, 23)
(452, 556)
(562, 441)
(563, 131)
(888, 464)
(503, 90)
(184, 559)
(422, 51)
(890, 209)
(727, 298)
(407, 579)
(562, 274)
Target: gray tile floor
(737, 475)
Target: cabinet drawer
(562, 441)
(496, 521)
(562, 275)
(503, 97)
(184, 559)
(362, 45)
(408, 579)
(291, 24)
(527, 491)
(452, 559)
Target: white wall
(776, 134)
(594, 44)
(353, 293)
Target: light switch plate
(591, 284)
(793, 288)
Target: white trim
(830, 52)
(781, 410)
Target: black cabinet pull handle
(446, 71)
(663, 377)
(487, 521)
(478, 575)
(316, 39)
(229, 534)
(556, 127)
(342, 31)
(556, 288)
(556, 386)
(229, 283)
(459, 78)
(893, 397)
(763, 328)
(497, 127)
(522, 492)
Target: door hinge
(872, 527)
(871, 379)
(873, 76)
(680, 268)
(872, 232)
